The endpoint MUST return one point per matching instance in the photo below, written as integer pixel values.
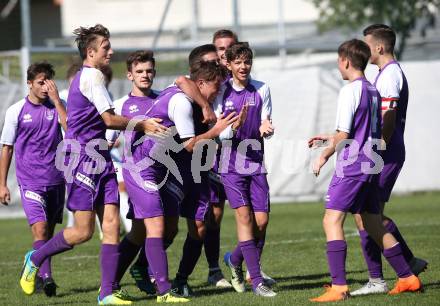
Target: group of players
(165, 135)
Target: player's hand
(241, 117)
(266, 128)
(223, 122)
(318, 140)
(152, 126)
(318, 164)
(52, 91)
(208, 115)
(5, 195)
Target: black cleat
(49, 287)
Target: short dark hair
(107, 71)
(207, 71)
(384, 34)
(40, 67)
(198, 52)
(357, 52)
(239, 50)
(73, 69)
(140, 56)
(86, 36)
(224, 33)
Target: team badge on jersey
(27, 118)
(133, 108)
(250, 101)
(229, 105)
(50, 114)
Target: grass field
(294, 256)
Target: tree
(401, 15)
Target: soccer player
(353, 186)
(91, 179)
(393, 88)
(211, 242)
(223, 39)
(32, 127)
(244, 176)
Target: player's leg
(333, 223)
(261, 206)
(192, 249)
(124, 207)
(64, 240)
(212, 240)
(157, 259)
(129, 247)
(387, 180)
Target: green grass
(294, 255)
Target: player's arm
(347, 106)
(181, 113)
(116, 122)
(331, 142)
(52, 91)
(221, 124)
(191, 90)
(5, 163)
(266, 127)
(389, 113)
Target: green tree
(401, 15)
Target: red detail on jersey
(389, 99)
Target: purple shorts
(87, 191)
(192, 198)
(245, 190)
(348, 195)
(150, 200)
(43, 204)
(387, 179)
(216, 189)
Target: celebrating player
(393, 88)
(244, 176)
(353, 187)
(91, 181)
(32, 126)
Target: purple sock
(237, 256)
(212, 247)
(395, 258)
(128, 252)
(192, 249)
(109, 264)
(157, 257)
(260, 245)
(336, 255)
(392, 228)
(57, 244)
(250, 254)
(372, 255)
(45, 270)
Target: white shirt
(348, 101)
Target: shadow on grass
(311, 276)
(435, 285)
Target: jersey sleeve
(389, 86)
(9, 133)
(348, 101)
(266, 111)
(112, 135)
(181, 113)
(92, 86)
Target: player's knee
(245, 218)
(171, 233)
(40, 232)
(83, 235)
(110, 225)
(358, 221)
